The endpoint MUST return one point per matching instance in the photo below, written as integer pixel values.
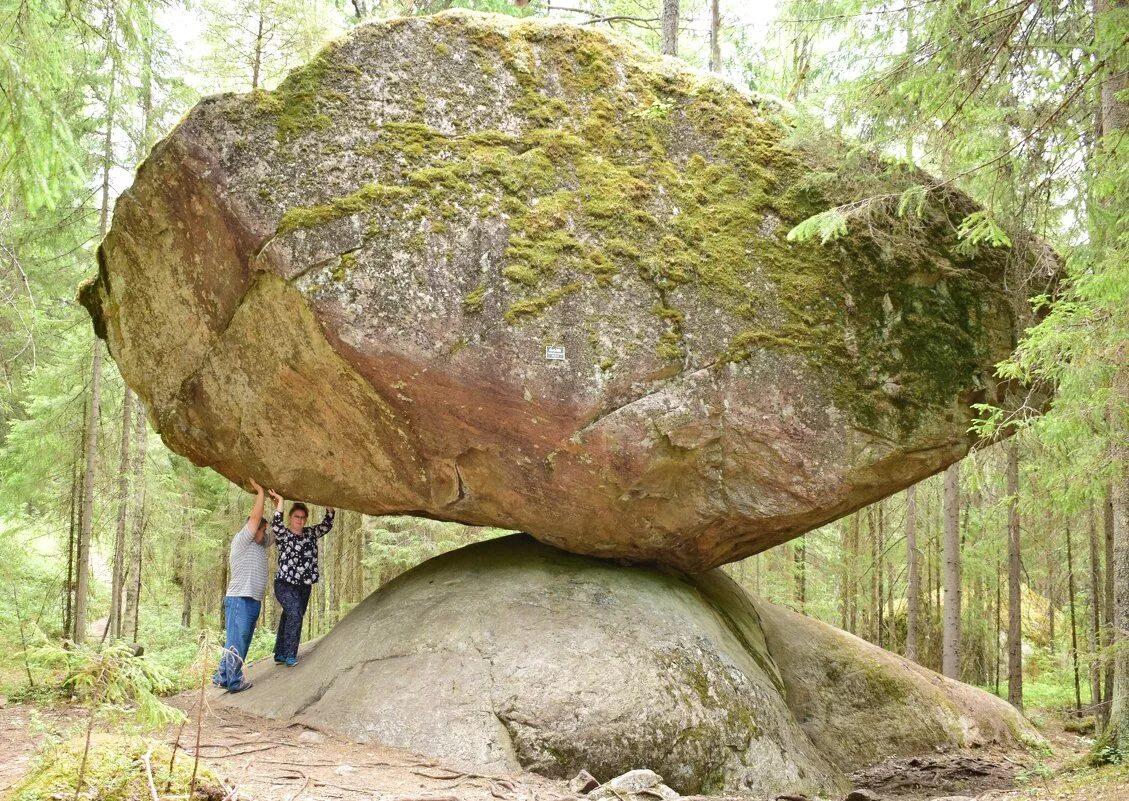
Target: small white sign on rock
(555, 353)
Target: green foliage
(397, 544)
(41, 72)
(978, 228)
(114, 771)
(108, 678)
(827, 225)
(253, 43)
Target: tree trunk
(1095, 616)
(1051, 599)
(185, 563)
(1115, 117)
(256, 65)
(82, 551)
(72, 529)
(93, 420)
(999, 620)
(876, 566)
(913, 590)
(1117, 728)
(137, 522)
(1116, 734)
(854, 572)
(844, 574)
(670, 28)
(1014, 616)
(124, 473)
(715, 36)
(800, 553)
(1114, 124)
(950, 635)
(1073, 625)
(1107, 629)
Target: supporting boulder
(510, 655)
(481, 269)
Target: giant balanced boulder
(511, 655)
(522, 274)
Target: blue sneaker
(279, 660)
(291, 661)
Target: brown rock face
(520, 274)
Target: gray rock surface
(635, 785)
(510, 654)
(861, 704)
(373, 259)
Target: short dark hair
(300, 507)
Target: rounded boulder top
(523, 274)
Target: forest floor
(271, 760)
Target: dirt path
(22, 730)
(269, 760)
(274, 761)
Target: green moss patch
(361, 200)
(114, 771)
(629, 175)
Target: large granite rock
(509, 655)
(483, 270)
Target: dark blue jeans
(294, 598)
(242, 613)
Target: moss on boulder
(510, 655)
(432, 203)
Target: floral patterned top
(298, 553)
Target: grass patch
(114, 771)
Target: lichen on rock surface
(375, 259)
(510, 655)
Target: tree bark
(1095, 615)
(1052, 600)
(1073, 625)
(1107, 629)
(1116, 733)
(854, 561)
(1014, 616)
(82, 566)
(950, 634)
(125, 471)
(1115, 115)
(876, 534)
(913, 591)
(256, 65)
(844, 574)
(999, 620)
(72, 532)
(184, 562)
(137, 522)
(82, 551)
(715, 36)
(800, 553)
(670, 28)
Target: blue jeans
(294, 598)
(242, 614)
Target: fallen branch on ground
(147, 761)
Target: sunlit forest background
(1016, 103)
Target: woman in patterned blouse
(297, 573)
